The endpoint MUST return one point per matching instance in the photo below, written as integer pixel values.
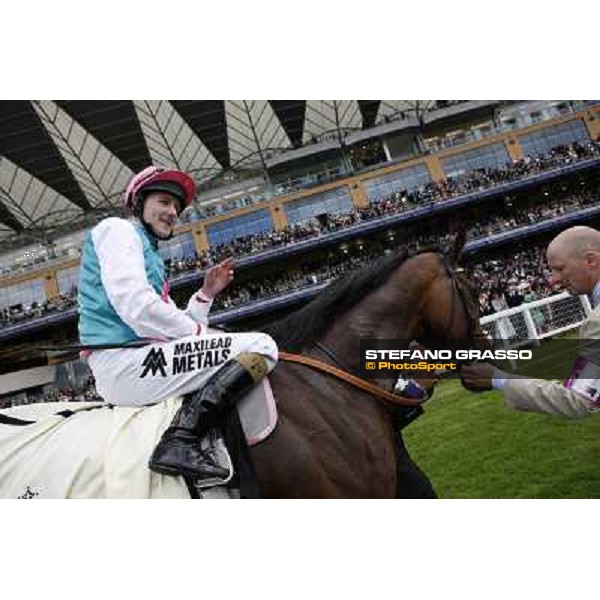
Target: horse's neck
(371, 323)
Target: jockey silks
(123, 292)
(123, 297)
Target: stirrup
(219, 450)
(188, 456)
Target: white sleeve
(198, 310)
(121, 258)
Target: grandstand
(299, 192)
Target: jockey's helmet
(158, 179)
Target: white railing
(534, 321)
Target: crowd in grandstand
(308, 274)
(480, 179)
(512, 280)
(19, 313)
(503, 284)
(500, 283)
(535, 212)
(59, 391)
(394, 203)
(398, 201)
(494, 278)
(502, 219)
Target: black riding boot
(179, 451)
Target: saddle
(258, 413)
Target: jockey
(124, 298)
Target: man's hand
(427, 383)
(218, 277)
(478, 376)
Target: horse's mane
(312, 321)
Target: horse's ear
(458, 243)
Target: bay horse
(332, 440)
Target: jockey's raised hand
(217, 278)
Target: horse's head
(452, 301)
(424, 298)
(429, 300)
(449, 312)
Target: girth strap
(357, 382)
(6, 420)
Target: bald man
(574, 259)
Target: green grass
(472, 446)
(553, 359)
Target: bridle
(460, 288)
(344, 373)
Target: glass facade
(256, 222)
(24, 294)
(332, 202)
(541, 142)
(68, 281)
(405, 179)
(179, 248)
(494, 156)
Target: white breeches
(142, 376)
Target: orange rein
(357, 382)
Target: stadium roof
(62, 161)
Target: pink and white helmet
(161, 179)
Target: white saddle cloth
(102, 453)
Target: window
(179, 248)
(332, 202)
(541, 142)
(68, 280)
(255, 222)
(25, 293)
(494, 156)
(405, 179)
